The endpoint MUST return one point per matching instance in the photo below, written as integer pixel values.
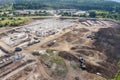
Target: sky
(116, 0)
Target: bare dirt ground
(64, 49)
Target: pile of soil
(107, 41)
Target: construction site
(60, 49)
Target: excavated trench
(101, 53)
(104, 50)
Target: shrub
(14, 23)
(1, 24)
(57, 60)
(50, 51)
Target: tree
(29, 13)
(14, 23)
(36, 13)
(92, 14)
(1, 24)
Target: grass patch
(50, 51)
(61, 71)
(119, 64)
(117, 76)
(12, 21)
(74, 65)
(57, 60)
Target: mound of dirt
(107, 41)
(68, 56)
(101, 55)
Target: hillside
(69, 4)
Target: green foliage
(1, 24)
(74, 65)
(119, 64)
(2, 18)
(69, 4)
(6, 7)
(83, 15)
(40, 13)
(117, 77)
(66, 14)
(62, 71)
(92, 14)
(12, 21)
(104, 14)
(57, 60)
(50, 51)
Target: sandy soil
(65, 40)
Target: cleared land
(53, 48)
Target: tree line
(69, 4)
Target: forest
(96, 8)
(68, 4)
